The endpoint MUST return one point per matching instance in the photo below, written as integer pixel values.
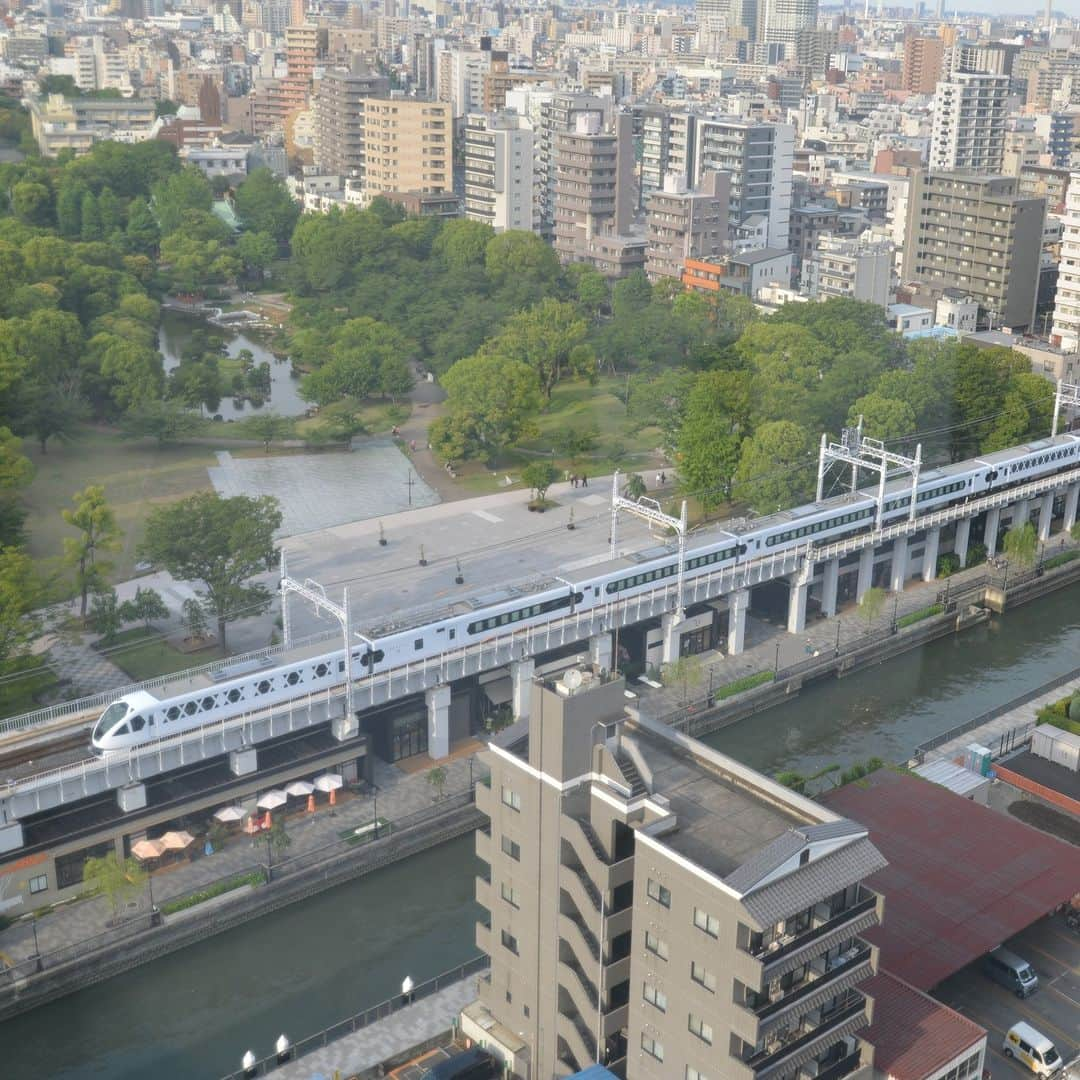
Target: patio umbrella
(252, 825)
(328, 782)
(271, 800)
(311, 804)
(177, 841)
(268, 821)
(147, 849)
(333, 796)
(299, 787)
(229, 813)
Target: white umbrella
(229, 813)
(328, 782)
(272, 800)
(299, 787)
(177, 841)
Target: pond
(176, 331)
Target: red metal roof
(961, 878)
(913, 1035)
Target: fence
(286, 868)
(992, 714)
(364, 1019)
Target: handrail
(818, 932)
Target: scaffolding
(859, 452)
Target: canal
(194, 1013)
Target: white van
(1032, 1049)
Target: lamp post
(269, 859)
(895, 609)
(375, 796)
(37, 950)
(838, 636)
(776, 662)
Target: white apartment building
(857, 269)
(500, 177)
(1065, 332)
(970, 111)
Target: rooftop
(961, 878)
(913, 1035)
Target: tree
(539, 476)
(521, 266)
(89, 217)
(888, 419)
(590, 287)
(257, 250)
(142, 231)
(436, 779)
(116, 879)
(773, 467)
(220, 542)
(395, 377)
(144, 607)
(48, 413)
(1021, 544)
(462, 244)
(32, 203)
(490, 404)
(635, 486)
(194, 615)
(360, 349)
(544, 337)
(264, 205)
(575, 442)
(16, 472)
(69, 210)
(186, 190)
(268, 427)
(98, 535)
(106, 615)
(165, 421)
(707, 445)
(279, 837)
(873, 600)
(21, 594)
(685, 671)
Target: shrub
(747, 682)
(947, 565)
(918, 616)
(255, 878)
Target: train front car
(127, 722)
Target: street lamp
(895, 608)
(37, 950)
(776, 663)
(375, 796)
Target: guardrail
(364, 1019)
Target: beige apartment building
(339, 119)
(408, 146)
(976, 233)
(657, 907)
(682, 224)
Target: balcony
(582, 891)
(784, 1055)
(483, 845)
(785, 955)
(580, 1042)
(484, 799)
(483, 937)
(483, 892)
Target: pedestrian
(584, 480)
(659, 481)
(573, 479)
(663, 478)
(412, 445)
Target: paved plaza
(317, 491)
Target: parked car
(1013, 972)
(474, 1064)
(1031, 1048)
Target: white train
(140, 716)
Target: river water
(193, 1014)
(285, 400)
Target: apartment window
(657, 946)
(655, 997)
(652, 1047)
(510, 942)
(660, 893)
(511, 848)
(699, 1028)
(511, 798)
(694, 1074)
(510, 895)
(702, 977)
(39, 883)
(709, 923)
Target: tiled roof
(960, 879)
(811, 883)
(913, 1035)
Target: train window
(340, 666)
(234, 695)
(191, 708)
(453, 632)
(263, 687)
(321, 670)
(207, 703)
(292, 678)
(418, 644)
(172, 713)
(137, 723)
(121, 730)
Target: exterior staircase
(633, 777)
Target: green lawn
(27, 686)
(142, 654)
(136, 475)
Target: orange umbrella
(268, 822)
(311, 803)
(333, 798)
(251, 825)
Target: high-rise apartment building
(339, 119)
(594, 195)
(854, 268)
(660, 908)
(499, 174)
(970, 111)
(977, 234)
(683, 224)
(759, 158)
(922, 64)
(1066, 327)
(779, 22)
(408, 146)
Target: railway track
(64, 748)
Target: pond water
(177, 328)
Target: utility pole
(410, 482)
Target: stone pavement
(398, 795)
(84, 668)
(385, 1038)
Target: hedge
(747, 682)
(256, 877)
(1061, 559)
(918, 616)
